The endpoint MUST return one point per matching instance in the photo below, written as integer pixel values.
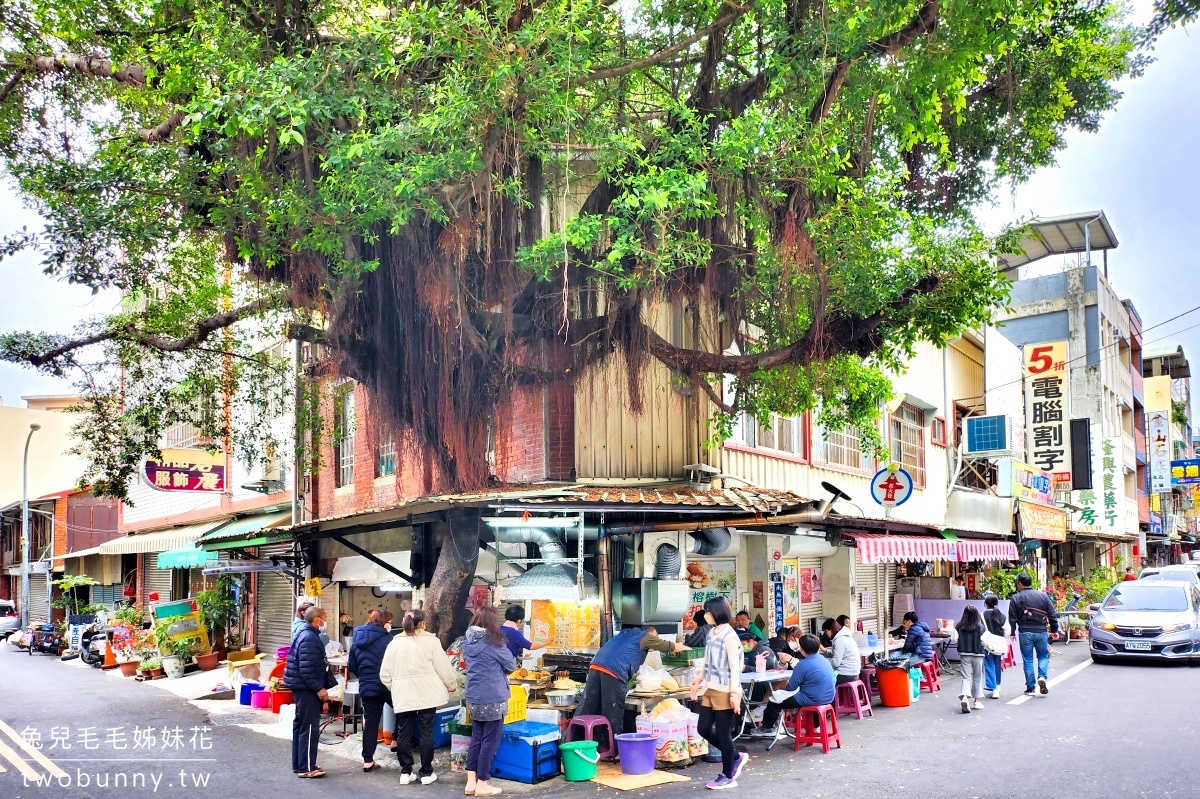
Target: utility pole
(26, 544)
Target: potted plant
(217, 609)
(152, 667)
(177, 653)
(123, 639)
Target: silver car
(1184, 573)
(10, 620)
(1157, 619)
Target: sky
(1141, 169)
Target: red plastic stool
(929, 677)
(817, 724)
(868, 676)
(588, 725)
(852, 699)
(1010, 658)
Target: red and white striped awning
(974, 549)
(878, 548)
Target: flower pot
(156, 673)
(129, 668)
(144, 673)
(173, 666)
(209, 661)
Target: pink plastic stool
(817, 724)
(929, 677)
(868, 676)
(852, 699)
(588, 725)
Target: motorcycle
(91, 635)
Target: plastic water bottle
(760, 662)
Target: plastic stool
(817, 724)
(869, 676)
(929, 677)
(1010, 658)
(588, 725)
(852, 699)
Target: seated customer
(699, 636)
(828, 629)
(918, 645)
(812, 681)
(741, 622)
(785, 642)
(846, 659)
(753, 648)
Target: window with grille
(385, 461)
(343, 444)
(782, 433)
(907, 436)
(839, 447)
(182, 435)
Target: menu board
(565, 625)
(707, 579)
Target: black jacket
(772, 661)
(366, 656)
(779, 645)
(995, 621)
(306, 669)
(970, 642)
(1028, 598)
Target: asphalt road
(1104, 731)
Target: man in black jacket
(307, 677)
(1034, 619)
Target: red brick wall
(535, 425)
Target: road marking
(12, 757)
(42, 760)
(1071, 672)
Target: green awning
(185, 557)
(949, 534)
(248, 531)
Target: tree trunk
(457, 539)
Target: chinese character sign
(1090, 515)
(1112, 478)
(1048, 407)
(1158, 441)
(1185, 472)
(187, 470)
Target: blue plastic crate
(528, 752)
(441, 726)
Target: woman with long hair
(489, 662)
(367, 650)
(420, 678)
(971, 652)
(720, 690)
(993, 665)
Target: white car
(10, 620)
(1183, 571)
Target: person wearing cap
(753, 647)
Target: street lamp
(25, 542)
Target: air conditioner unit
(998, 436)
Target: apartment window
(782, 433)
(182, 435)
(385, 461)
(343, 444)
(906, 429)
(937, 431)
(839, 448)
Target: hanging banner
(1047, 524)
(709, 578)
(1048, 409)
(1025, 483)
(1185, 472)
(1158, 441)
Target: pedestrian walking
(307, 677)
(419, 678)
(971, 654)
(720, 691)
(367, 649)
(1034, 619)
(993, 664)
(489, 662)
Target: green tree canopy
(443, 188)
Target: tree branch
(88, 66)
(156, 341)
(726, 18)
(162, 131)
(11, 84)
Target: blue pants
(991, 671)
(1031, 644)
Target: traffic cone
(110, 659)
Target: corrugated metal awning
(157, 541)
(247, 531)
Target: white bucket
(287, 715)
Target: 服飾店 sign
(187, 470)
(1048, 409)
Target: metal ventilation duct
(558, 581)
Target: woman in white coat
(420, 678)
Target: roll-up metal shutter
(156, 580)
(274, 605)
(39, 602)
(880, 581)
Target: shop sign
(710, 578)
(1048, 409)
(1102, 507)
(891, 486)
(1158, 440)
(1185, 472)
(1026, 483)
(183, 621)
(1046, 524)
(187, 470)
(1156, 525)
(777, 598)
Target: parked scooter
(94, 635)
